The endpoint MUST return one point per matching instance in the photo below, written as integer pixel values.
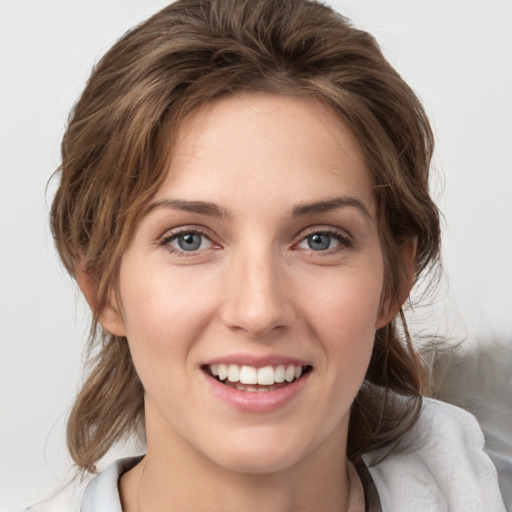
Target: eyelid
(172, 233)
(328, 230)
(343, 236)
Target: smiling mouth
(251, 379)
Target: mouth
(255, 380)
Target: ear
(392, 306)
(110, 317)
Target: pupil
(319, 242)
(189, 242)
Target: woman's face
(260, 259)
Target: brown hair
(113, 161)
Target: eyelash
(344, 240)
(172, 235)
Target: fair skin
(262, 250)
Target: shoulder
(92, 493)
(439, 465)
(66, 498)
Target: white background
(457, 56)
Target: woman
(244, 204)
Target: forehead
(269, 147)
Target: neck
(174, 477)
(144, 489)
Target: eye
(187, 241)
(320, 242)
(325, 241)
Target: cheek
(165, 314)
(346, 302)
(343, 314)
(165, 302)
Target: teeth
(233, 373)
(249, 375)
(266, 376)
(279, 373)
(290, 373)
(223, 371)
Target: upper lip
(257, 361)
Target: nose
(257, 295)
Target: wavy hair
(114, 159)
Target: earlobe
(112, 320)
(110, 317)
(392, 306)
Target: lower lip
(257, 401)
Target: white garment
(440, 466)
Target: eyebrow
(302, 209)
(200, 207)
(329, 205)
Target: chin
(258, 462)
(254, 451)
(269, 450)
